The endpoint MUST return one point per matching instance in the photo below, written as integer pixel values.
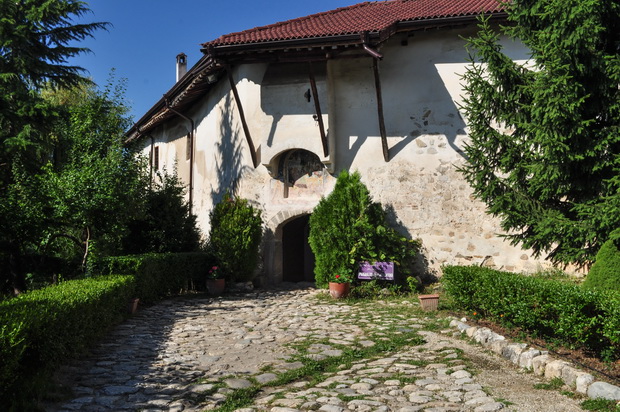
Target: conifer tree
(544, 151)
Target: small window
(156, 158)
(188, 147)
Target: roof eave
(345, 39)
(214, 51)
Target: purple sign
(376, 270)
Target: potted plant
(215, 281)
(340, 284)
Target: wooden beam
(384, 145)
(317, 106)
(246, 130)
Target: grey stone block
(498, 346)
(525, 360)
(570, 375)
(604, 390)
(583, 382)
(513, 351)
(539, 363)
(470, 331)
(554, 369)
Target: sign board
(376, 270)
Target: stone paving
(192, 353)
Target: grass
(239, 398)
(554, 384)
(600, 405)
(382, 322)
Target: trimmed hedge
(159, 274)
(551, 309)
(42, 328)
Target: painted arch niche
(301, 174)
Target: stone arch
(277, 231)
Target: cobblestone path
(194, 353)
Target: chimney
(181, 65)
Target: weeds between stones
(391, 337)
(554, 384)
(600, 405)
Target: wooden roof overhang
(219, 58)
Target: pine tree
(544, 151)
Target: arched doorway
(297, 257)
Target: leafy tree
(36, 38)
(544, 153)
(167, 224)
(94, 184)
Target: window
(156, 158)
(188, 147)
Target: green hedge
(551, 309)
(42, 328)
(159, 275)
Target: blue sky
(146, 35)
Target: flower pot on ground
(339, 290)
(215, 282)
(132, 306)
(429, 302)
(340, 284)
(216, 286)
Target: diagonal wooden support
(246, 130)
(384, 145)
(317, 106)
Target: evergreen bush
(605, 272)
(347, 227)
(235, 236)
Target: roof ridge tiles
(370, 16)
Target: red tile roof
(359, 18)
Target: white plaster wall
(421, 89)
(426, 133)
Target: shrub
(605, 273)
(347, 227)
(167, 224)
(42, 328)
(159, 275)
(548, 308)
(235, 236)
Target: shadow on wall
(228, 157)
(419, 108)
(420, 267)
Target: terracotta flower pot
(132, 306)
(339, 290)
(429, 302)
(216, 286)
